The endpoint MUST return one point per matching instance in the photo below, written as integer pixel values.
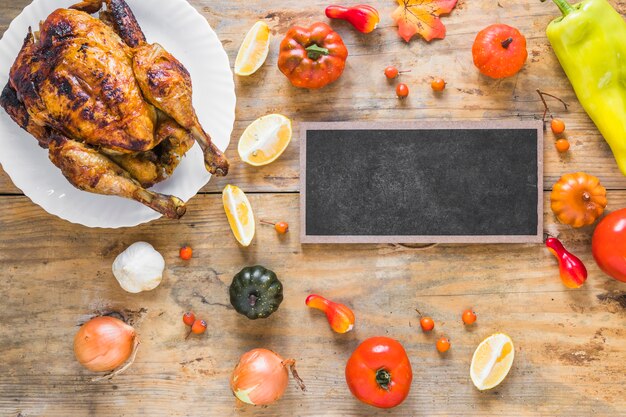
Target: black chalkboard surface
(422, 182)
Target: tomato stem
(383, 378)
(315, 52)
(507, 42)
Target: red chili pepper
(572, 270)
(363, 17)
(340, 317)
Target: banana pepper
(590, 42)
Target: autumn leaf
(422, 16)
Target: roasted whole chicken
(114, 111)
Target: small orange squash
(578, 199)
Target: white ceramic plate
(184, 32)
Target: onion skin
(260, 377)
(104, 343)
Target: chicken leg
(89, 170)
(86, 168)
(166, 84)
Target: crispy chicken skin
(114, 111)
(83, 84)
(16, 109)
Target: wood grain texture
(570, 343)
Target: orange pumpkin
(578, 199)
(499, 51)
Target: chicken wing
(16, 109)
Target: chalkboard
(422, 182)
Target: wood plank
(570, 343)
(364, 94)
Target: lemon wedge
(265, 139)
(254, 49)
(239, 213)
(492, 361)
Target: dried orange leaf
(422, 16)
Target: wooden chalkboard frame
(421, 125)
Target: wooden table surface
(570, 344)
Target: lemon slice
(254, 49)
(492, 361)
(239, 213)
(265, 139)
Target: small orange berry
(402, 90)
(427, 324)
(558, 126)
(469, 317)
(562, 145)
(281, 227)
(438, 84)
(443, 344)
(186, 253)
(391, 72)
(189, 318)
(198, 327)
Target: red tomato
(609, 245)
(379, 372)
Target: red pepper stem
(564, 6)
(315, 52)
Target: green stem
(564, 6)
(315, 52)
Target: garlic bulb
(139, 268)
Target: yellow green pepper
(590, 42)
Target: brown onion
(104, 343)
(261, 377)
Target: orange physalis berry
(468, 317)
(186, 253)
(443, 344)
